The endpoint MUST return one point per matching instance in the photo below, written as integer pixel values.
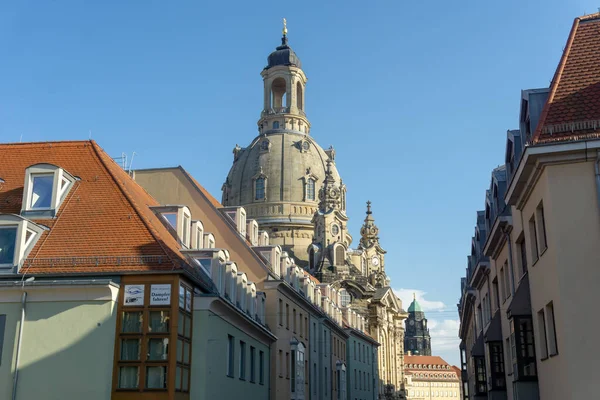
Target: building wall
(361, 364)
(59, 337)
(565, 271)
(338, 344)
(210, 360)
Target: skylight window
(8, 240)
(46, 186)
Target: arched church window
(311, 258)
(340, 255)
(276, 125)
(259, 188)
(310, 189)
(278, 94)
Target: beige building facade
(430, 377)
(529, 296)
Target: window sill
(535, 261)
(542, 252)
(230, 376)
(544, 358)
(554, 355)
(242, 379)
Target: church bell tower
(284, 85)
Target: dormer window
(178, 220)
(209, 240)
(46, 186)
(17, 237)
(197, 235)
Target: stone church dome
(293, 167)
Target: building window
(497, 365)
(264, 146)
(242, 360)
(287, 365)
(46, 186)
(522, 250)
(287, 316)
(280, 363)
(294, 321)
(280, 312)
(523, 351)
(259, 188)
(261, 367)
(231, 355)
(275, 124)
(480, 376)
(41, 196)
(8, 243)
(310, 189)
(533, 240)
(541, 226)
(551, 328)
(252, 364)
(144, 338)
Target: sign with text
(134, 295)
(160, 295)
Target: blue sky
(416, 98)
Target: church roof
(572, 110)
(283, 55)
(415, 306)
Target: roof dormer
(238, 216)
(45, 188)
(18, 236)
(197, 235)
(272, 255)
(263, 238)
(252, 232)
(178, 220)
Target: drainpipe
(597, 168)
(20, 340)
(510, 263)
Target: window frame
(62, 182)
(22, 245)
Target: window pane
(186, 352)
(188, 326)
(42, 191)
(128, 377)
(8, 240)
(179, 350)
(132, 322)
(159, 321)
(186, 379)
(130, 349)
(171, 218)
(180, 323)
(178, 378)
(158, 349)
(156, 377)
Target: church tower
(416, 337)
(276, 178)
(374, 253)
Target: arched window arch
(275, 124)
(278, 93)
(299, 96)
(259, 188)
(340, 255)
(310, 189)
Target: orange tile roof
(103, 225)
(425, 360)
(572, 110)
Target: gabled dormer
(197, 241)
(178, 220)
(18, 236)
(46, 187)
(532, 104)
(263, 238)
(237, 215)
(272, 256)
(513, 153)
(252, 232)
(211, 261)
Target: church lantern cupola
(284, 86)
(369, 230)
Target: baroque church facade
(292, 188)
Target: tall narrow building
(417, 341)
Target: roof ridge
(556, 80)
(51, 142)
(130, 199)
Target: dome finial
(284, 27)
(414, 296)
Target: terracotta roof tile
(426, 360)
(572, 110)
(103, 225)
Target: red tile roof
(424, 360)
(103, 225)
(572, 110)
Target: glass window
(159, 322)
(230, 355)
(276, 125)
(171, 219)
(310, 189)
(132, 322)
(156, 377)
(260, 188)
(158, 349)
(130, 349)
(129, 377)
(252, 364)
(242, 360)
(261, 368)
(179, 350)
(186, 379)
(8, 241)
(41, 196)
(186, 228)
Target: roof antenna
(90, 138)
(21, 138)
(131, 163)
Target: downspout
(20, 340)
(510, 263)
(597, 168)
